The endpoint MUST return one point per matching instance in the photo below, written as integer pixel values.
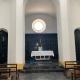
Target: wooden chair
(69, 67)
(13, 69)
(76, 72)
(5, 74)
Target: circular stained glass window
(38, 25)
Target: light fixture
(38, 25)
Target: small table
(42, 55)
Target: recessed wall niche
(48, 41)
(48, 37)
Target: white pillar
(17, 34)
(20, 32)
(12, 34)
(63, 31)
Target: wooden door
(3, 46)
(77, 44)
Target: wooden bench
(76, 72)
(69, 67)
(13, 69)
(72, 69)
(5, 74)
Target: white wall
(68, 20)
(75, 13)
(74, 17)
(4, 14)
(51, 22)
(6, 22)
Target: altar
(42, 55)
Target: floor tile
(43, 76)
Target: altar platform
(43, 66)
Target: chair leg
(73, 77)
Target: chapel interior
(39, 39)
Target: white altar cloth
(42, 54)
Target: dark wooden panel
(3, 46)
(77, 44)
(49, 42)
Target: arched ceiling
(40, 6)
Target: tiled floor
(43, 76)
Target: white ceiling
(40, 6)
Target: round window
(38, 25)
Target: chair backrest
(70, 64)
(11, 67)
